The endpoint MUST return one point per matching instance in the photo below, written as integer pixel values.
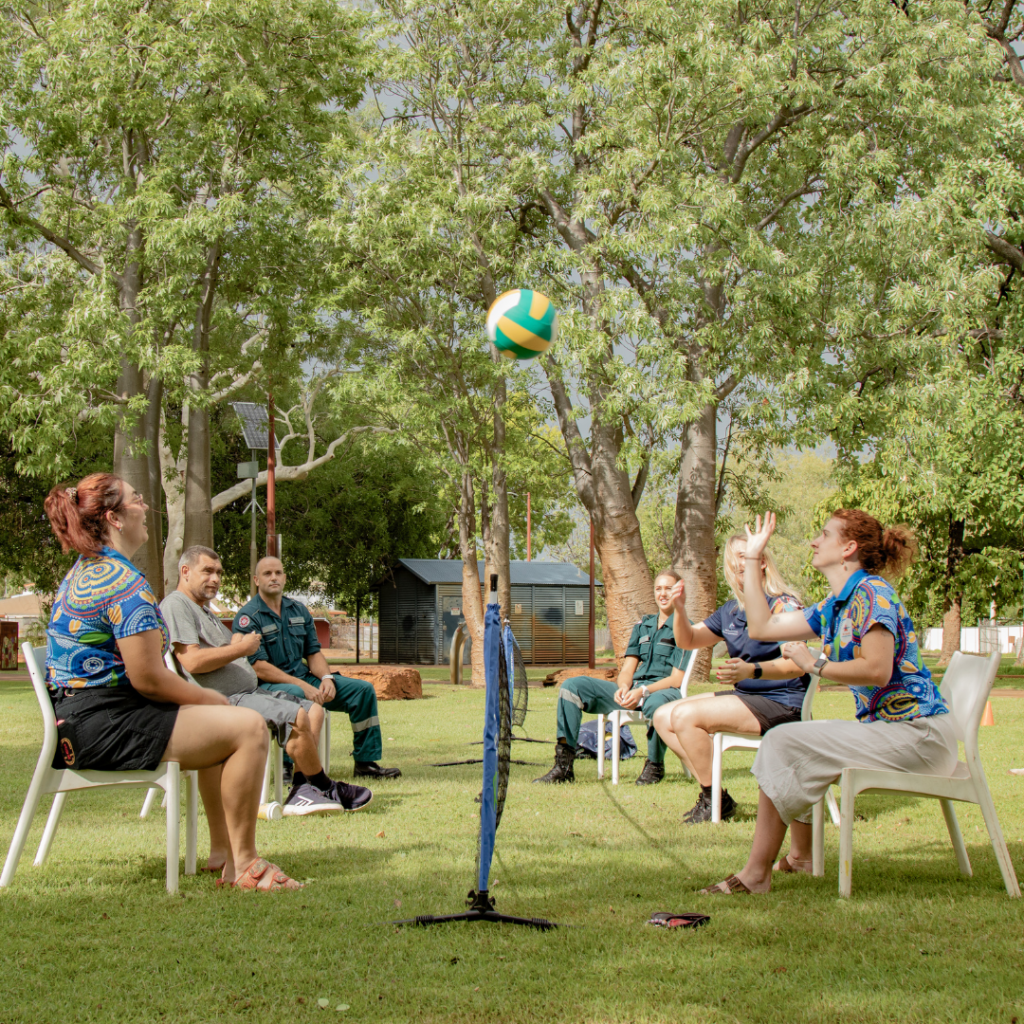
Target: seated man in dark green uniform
(651, 675)
(289, 636)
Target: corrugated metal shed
(421, 608)
(543, 574)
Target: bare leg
(662, 723)
(220, 846)
(236, 739)
(301, 746)
(693, 722)
(799, 857)
(769, 832)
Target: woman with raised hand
(768, 690)
(869, 644)
(118, 707)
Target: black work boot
(701, 811)
(652, 774)
(562, 771)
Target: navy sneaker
(351, 798)
(307, 799)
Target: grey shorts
(279, 710)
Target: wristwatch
(757, 672)
(819, 665)
(329, 678)
(643, 692)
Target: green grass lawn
(93, 936)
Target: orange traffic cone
(986, 718)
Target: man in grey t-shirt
(208, 654)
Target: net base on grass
(481, 908)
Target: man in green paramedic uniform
(288, 636)
(651, 674)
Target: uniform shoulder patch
(244, 621)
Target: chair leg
(173, 824)
(325, 745)
(995, 834)
(846, 800)
(956, 837)
(278, 772)
(616, 746)
(716, 777)
(52, 821)
(818, 840)
(265, 799)
(600, 746)
(833, 807)
(147, 804)
(191, 822)
(28, 812)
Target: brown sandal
(732, 885)
(265, 877)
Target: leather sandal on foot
(663, 919)
(265, 877)
(731, 886)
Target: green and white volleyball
(522, 323)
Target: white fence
(970, 640)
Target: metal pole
(253, 558)
(357, 630)
(591, 653)
(271, 465)
(528, 526)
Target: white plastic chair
(60, 782)
(965, 687)
(617, 719)
(724, 741)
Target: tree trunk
(173, 478)
(155, 393)
(693, 541)
(628, 587)
(131, 455)
(952, 592)
(472, 599)
(199, 477)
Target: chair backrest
(687, 672)
(808, 704)
(965, 688)
(35, 662)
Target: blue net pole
(488, 802)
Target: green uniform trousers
(356, 698)
(597, 697)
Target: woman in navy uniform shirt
(768, 689)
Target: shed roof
(449, 570)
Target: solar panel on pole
(255, 422)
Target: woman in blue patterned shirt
(868, 644)
(117, 706)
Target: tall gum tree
(929, 364)
(160, 164)
(673, 169)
